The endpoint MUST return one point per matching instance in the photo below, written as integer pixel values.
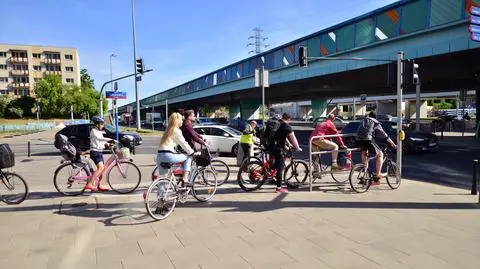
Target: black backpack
(268, 137)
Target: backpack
(268, 137)
(67, 149)
(365, 129)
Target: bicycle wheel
(155, 173)
(124, 177)
(393, 177)
(15, 188)
(251, 176)
(222, 171)
(70, 179)
(359, 178)
(204, 184)
(296, 174)
(160, 199)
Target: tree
(4, 101)
(25, 103)
(50, 90)
(85, 80)
(15, 112)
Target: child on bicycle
(97, 145)
(173, 137)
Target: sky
(180, 40)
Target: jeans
(279, 164)
(169, 157)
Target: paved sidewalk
(419, 225)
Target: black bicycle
(14, 188)
(361, 175)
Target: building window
(19, 54)
(21, 80)
(3, 54)
(37, 68)
(69, 69)
(68, 56)
(3, 79)
(69, 80)
(53, 68)
(3, 66)
(36, 55)
(3, 91)
(22, 92)
(20, 67)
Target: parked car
(79, 136)
(221, 137)
(240, 124)
(338, 122)
(414, 141)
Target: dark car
(338, 122)
(414, 141)
(79, 136)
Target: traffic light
(302, 56)
(410, 74)
(139, 65)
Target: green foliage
(4, 101)
(443, 105)
(15, 112)
(85, 80)
(25, 103)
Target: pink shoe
(281, 190)
(91, 187)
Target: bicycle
(221, 169)
(363, 180)
(162, 194)
(327, 169)
(77, 172)
(16, 188)
(259, 169)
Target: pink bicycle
(70, 178)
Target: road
(450, 164)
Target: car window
(233, 131)
(73, 130)
(218, 132)
(350, 128)
(82, 130)
(203, 130)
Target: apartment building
(22, 65)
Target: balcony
(19, 72)
(53, 72)
(18, 60)
(52, 61)
(17, 85)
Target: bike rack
(319, 153)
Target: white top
(176, 139)
(97, 141)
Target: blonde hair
(173, 122)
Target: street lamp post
(135, 67)
(111, 84)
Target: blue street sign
(474, 28)
(474, 10)
(139, 78)
(115, 95)
(475, 36)
(474, 19)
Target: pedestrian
(248, 139)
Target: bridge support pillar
(250, 109)
(319, 108)
(234, 111)
(410, 109)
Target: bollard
(474, 178)
(133, 150)
(28, 149)
(218, 152)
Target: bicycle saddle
(166, 165)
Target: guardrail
(311, 153)
(27, 127)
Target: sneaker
(99, 188)
(91, 187)
(375, 182)
(281, 190)
(335, 166)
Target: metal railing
(319, 153)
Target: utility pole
(135, 66)
(258, 41)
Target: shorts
(96, 156)
(368, 145)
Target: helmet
(98, 120)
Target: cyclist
(369, 128)
(327, 128)
(97, 145)
(248, 139)
(277, 148)
(172, 137)
(190, 135)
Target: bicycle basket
(7, 157)
(124, 153)
(203, 159)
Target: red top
(327, 128)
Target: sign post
(262, 79)
(115, 95)
(363, 101)
(399, 110)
